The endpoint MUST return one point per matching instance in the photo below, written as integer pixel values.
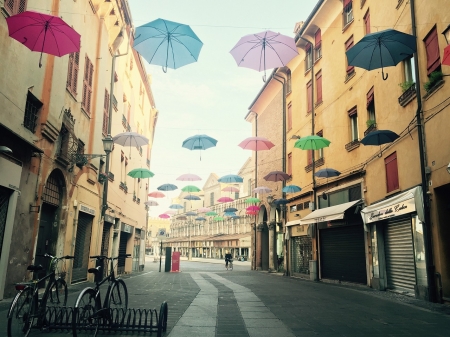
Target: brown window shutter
(76, 67)
(367, 22)
(353, 111)
(70, 73)
(432, 47)
(346, 3)
(318, 38)
(289, 116)
(308, 95)
(348, 45)
(370, 96)
(392, 182)
(319, 86)
(309, 157)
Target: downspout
(422, 152)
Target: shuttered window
(432, 47)
(289, 116)
(348, 45)
(308, 95)
(319, 87)
(367, 22)
(309, 153)
(15, 6)
(105, 114)
(318, 44)
(72, 73)
(87, 85)
(390, 163)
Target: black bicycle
(89, 311)
(27, 307)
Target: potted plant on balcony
(406, 85)
(434, 78)
(370, 122)
(102, 177)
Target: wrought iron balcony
(352, 145)
(111, 176)
(408, 95)
(124, 121)
(371, 128)
(317, 163)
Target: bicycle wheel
(20, 315)
(58, 293)
(84, 319)
(118, 296)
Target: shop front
(300, 247)
(398, 254)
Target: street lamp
(108, 144)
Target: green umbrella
(218, 218)
(312, 143)
(212, 213)
(190, 188)
(252, 200)
(141, 173)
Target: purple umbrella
(189, 177)
(265, 50)
(277, 176)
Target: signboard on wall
(404, 207)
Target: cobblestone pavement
(206, 300)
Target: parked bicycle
(230, 264)
(89, 311)
(27, 307)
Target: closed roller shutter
(399, 251)
(122, 250)
(82, 246)
(301, 254)
(342, 254)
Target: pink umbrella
(43, 33)
(151, 203)
(203, 210)
(171, 212)
(230, 189)
(164, 216)
(262, 189)
(256, 144)
(251, 212)
(224, 199)
(253, 208)
(156, 194)
(189, 177)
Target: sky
(210, 96)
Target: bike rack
(142, 321)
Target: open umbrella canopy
(230, 189)
(379, 137)
(231, 178)
(199, 142)
(130, 139)
(156, 194)
(164, 216)
(291, 189)
(385, 48)
(151, 203)
(167, 187)
(189, 177)
(231, 209)
(190, 188)
(311, 143)
(140, 173)
(262, 189)
(181, 217)
(211, 213)
(167, 43)
(253, 208)
(229, 214)
(327, 173)
(200, 218)
(204, 209)
(218, 218)
(256, 144)
(43, 33)
(225, 199)
(276, 176)
(176, 206)
(252, 200)
(281, 201)
(191, 213)
(192, 197)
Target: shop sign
(126, 228)
(86, 209)
(394, 210)
(109, 218)
(299, 230)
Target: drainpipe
(422, 153)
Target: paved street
(206, 300)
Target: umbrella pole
(43, 43)
(381, 60)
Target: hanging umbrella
(200, 218)
(251, 212)
(262, 189)
(231, 209)
(130, 139)
(191, 213)
(170, 211)
(181, 217)
(281, 201)
(43, 33)
(190, 188)
(291, 189)
(446, 57)
(312, 143)
(230, 189)
(156, 194)
(167, 187)
(381, 49)
(276, 176)
(204, 209)
(252, 200)
(265, 50)
(210, 213)
(224, 199)
(199, 142)
(191, 197)
(189, 177)
(231, 178)
(327, 173)
(256, 144)
(151, 203)
(167, 43)
(164, 216)
(140, 173)
(176, 206)
(379, 137)
(218, 218)
(235, 217)
(253, 208)
(229, 214)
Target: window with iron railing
(32, 108)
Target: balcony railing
(111, 176)
(114, 103)
(317, 163)
(124, 121)
(371, 128)
(148, 162)
(408, 95)
(352, 145)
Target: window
(32, 107)
(289, 116)
(87, 86)
(340, 197)
(289, 164)
(15, 6)
(308, 96)
(289, 81)
(410, 70)
(347, 14)
(432, 47)
(211, 199)
(72, 74)
(319, 87)
(352, 113)
(371, 105)
(308, 57)
(367, 22)
(390, 163)
(293, 208)
(105, 114)
(318, 43)
(348, 44)
(319, 153)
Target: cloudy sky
(210, 96)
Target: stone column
(272, 246)
(252, 252)
(259, 229)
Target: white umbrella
(130, 139)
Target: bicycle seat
(35, 267)
(95, 270)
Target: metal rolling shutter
(82, 247)
(399, 252)
(301, 254)
(105, 245)
(122, 250)
(342, 254)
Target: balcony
(111, 176)
(317, 163)
(352, 145)
(124, 121)
(407, 96)
(371, 128)
(148, 162)
(123, 187)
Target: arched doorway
(52, 197)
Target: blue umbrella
(191, 197)
(176, 206)
(231, 209)
(229, 214)
(327, 173)
(281, 201)
(379, 137)
(167, 187)
(235, 217)
(167, 43)
(381, 49)
(291, 189)
(191, 214)
(231, 178)
(200, 218)
(199, 142)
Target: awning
(35, 148)
(292, 223)
(328, 214)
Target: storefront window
(419, 251)
(375, 262)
